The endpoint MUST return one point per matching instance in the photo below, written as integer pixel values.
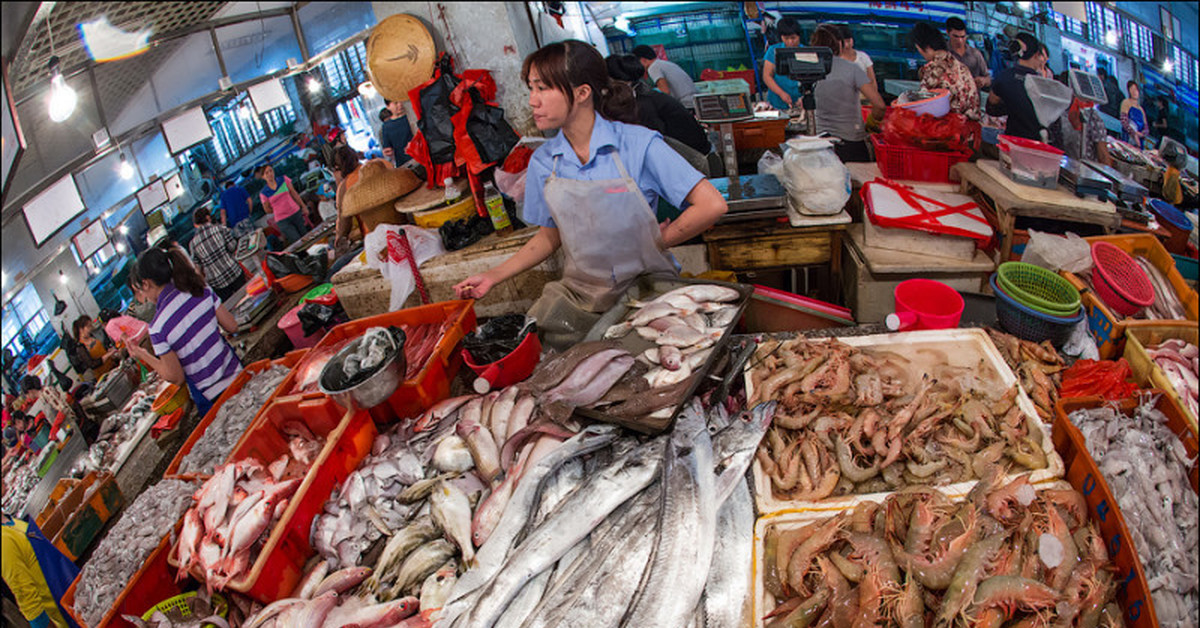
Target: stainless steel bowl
(370, 392)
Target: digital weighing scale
(751, 196)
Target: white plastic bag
(771, 163)
(1055, 252)
(816, 180)
(1081, 345)
(426, 244)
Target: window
(1184, 66)
(1170, 24)
(237, 129)
(96, 262)
(344, 71)
(1139, 39)
(1068, 24)
(1102, 21)
(25, 323)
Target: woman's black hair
(161, 267)
(1024, 46)
(827, 35)
(31, 382)
(79, 325)
(568, 64)
(345, 160)
(787, 26)
(844, 32)
(1129, 84)
(926, 35)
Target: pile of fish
(611, 529)
(119, 428)
(1147, 468)
(232, 419)
(237, 508)
(321, 600)
(684, 323)
(18, 484)
(1037, 365)
(1004, 553)
(1167, 305)
(374, 347)
(125, 548)
(1180, 362)
(857, 421)
(201, 614)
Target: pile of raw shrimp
(853, 422)
(1004, 553)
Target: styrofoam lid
(888, 205)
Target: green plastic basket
(1038, 288)
(180, 607)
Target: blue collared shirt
(655, 166)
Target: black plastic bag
(317, 316)
(488, 129)
(459, 234)
(498, 337)
(284, 264)
(436, 111)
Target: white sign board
(188, 128)
(268, 95)
(174, 186)
(90, 239)
(52, 209)
(151, 196)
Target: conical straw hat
(378, 183)
(400, 55)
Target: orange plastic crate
(432, 382)
(290, 360)
(280, 565)
(1132, 593)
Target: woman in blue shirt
(782, 91)
(591, 189)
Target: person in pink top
(279, 197)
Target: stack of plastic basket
(1034, 303)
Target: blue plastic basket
(1170, 214)
(1029, 324)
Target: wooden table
(1010, 199)
(773, 244)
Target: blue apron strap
(58, 570)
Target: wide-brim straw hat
(400, 56)
(378, 183)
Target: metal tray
(646, 288)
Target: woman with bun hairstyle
(591, 189)
(186, 330)
(1008, 95)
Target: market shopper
(655, 109)
(186, 328)
(280, 198)
(213, 247)
(99, 358)
(782, 91)
(667, 76)
(1008, 95)
(396, 134)
(838, 110)
(857, 57)
(1133, 117)
(943, 71)
(591, 189)
(235, 204)
(346, 162)
(970, 56)
(1112, 90)
(36, 572)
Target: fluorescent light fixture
(125, 169)
(622, 24)
(1025, 6)
(1111, 38)
(314, 86)
(62, 278)
(3, 279)
(62, 97)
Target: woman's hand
(137, 351)
(786, 98)
(475, 287)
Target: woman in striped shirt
(186, 330)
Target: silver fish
(453, 456)
(574, 519)
(402, 543)
(502, 412)
(438, 585)
(452, 512)
(727, 594)
(735, 445)
(687, 528)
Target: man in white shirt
(668, 77)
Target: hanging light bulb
(1111, 38)
(314, 85)
(366, 89)
(1168, 66)
(120, 247)
(62, 278)
(125, 169)
(62, 97)
(123, 229)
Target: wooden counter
(773, 244)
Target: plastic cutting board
(891, 204)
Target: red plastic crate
(432, 383)
(914, 164)
(290, 360)
(152, 584)
(1132, 592)
(280, 564)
